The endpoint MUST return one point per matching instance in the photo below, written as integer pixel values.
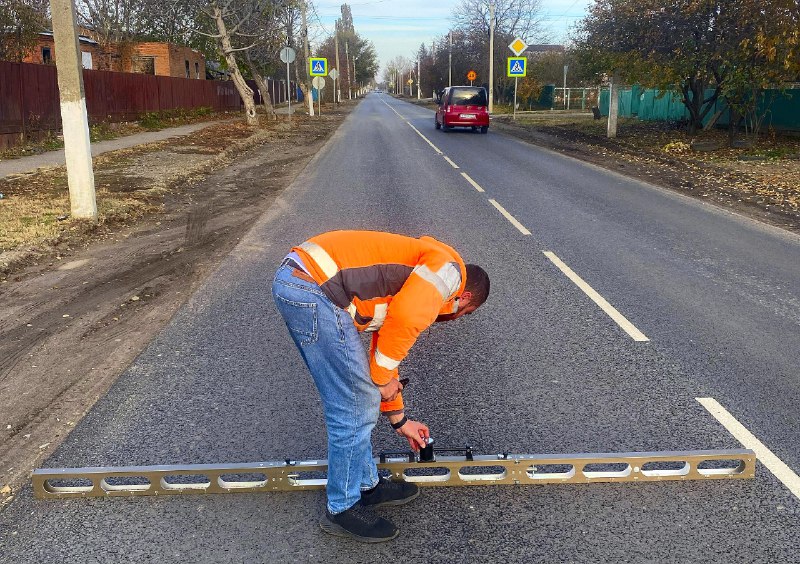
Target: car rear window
(468, 97)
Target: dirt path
(71, 322)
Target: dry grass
(765, 172)
(130, 183)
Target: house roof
(81, 38)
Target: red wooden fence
(29, 101)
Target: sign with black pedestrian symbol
(318, 66)
(517, 66)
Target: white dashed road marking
(610, 310)
(510, 217)
(454, 165)
(774, 464)
(428, 141)
(474, 184)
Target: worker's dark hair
(477, 283)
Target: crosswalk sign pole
(516, 82)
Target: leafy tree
(705, 48)
(21, 22)
(661, 44)
(765, 53)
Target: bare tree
(228, 17)
(513, 18)
(112, 21)
(265, 30)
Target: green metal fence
(782, 107)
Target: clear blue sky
(398, 27)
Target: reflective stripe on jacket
(390, 284)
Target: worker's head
(475, 293)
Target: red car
(463, 106)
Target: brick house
(165, 59)
(45, 51)
(162, 59)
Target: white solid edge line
(509, 217)
(479, 189)
(774, 464)
(610, 310)
(454, 165)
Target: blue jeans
(335, 356)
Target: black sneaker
(388, 492)
(359, 523)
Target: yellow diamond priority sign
(518, 46)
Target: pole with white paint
(491, 57)
(74, 117)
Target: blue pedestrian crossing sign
(517, 66)
(318, 66)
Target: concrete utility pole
(74, 118)
(566, 97)
(355, 84)
(338, 68)
(450, 63)
(491, 56)
(613, 105)
(308, 71)
(419, 81)
(349, 78)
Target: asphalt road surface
(712, 304)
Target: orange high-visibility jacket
(390, 284)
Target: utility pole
(349, 78)
(450, 62)
(338, 68)
(613, 105)
(74, 118)
(491, 56)
(566, 97)
(308, 71)
(419, 81)
(355, 84)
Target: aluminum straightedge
(445, 470)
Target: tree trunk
(303, 87)
(262, 87)
(693, 103)
(224, 43)
(613, 105)
(733, 125)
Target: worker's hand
(416, 433)
(390, 390)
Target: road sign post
(319, 84)
(517, 47)
(334, 74)
(517, 67)
(287, 56)
(471, 76)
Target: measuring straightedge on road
(454, 467)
